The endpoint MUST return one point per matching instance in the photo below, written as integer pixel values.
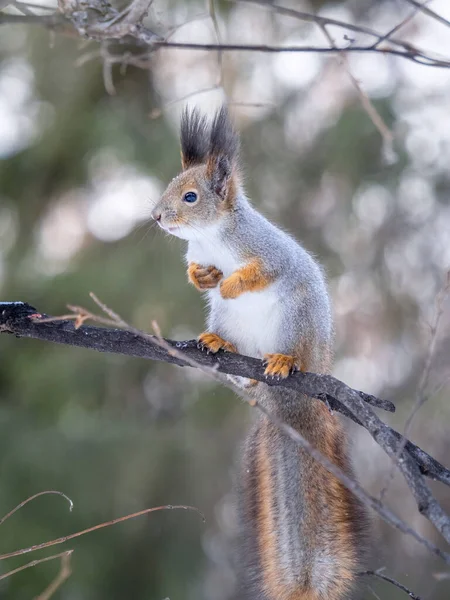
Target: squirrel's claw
(212, 342)
(279, 366)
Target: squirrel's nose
(156, 215)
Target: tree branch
(31, 498)
(427, 11)
(65, 572)
(22, 320)
(66, 538)
(38, 561)
(397, 584)
(107, 25)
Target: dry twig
(33, 563)
(19, 506)
(71, 536)
(374, 115)
(102, 23)
(400, 586)
(422, 392)
(65, 572)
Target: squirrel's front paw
(231, 287)
(213, 343)
(204, 278)
(279, 365)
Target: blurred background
(80, 167)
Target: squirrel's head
(206, 189)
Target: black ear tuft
(224, 139)
(194, 137)
(223, 153)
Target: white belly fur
(252, 321)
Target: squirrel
(302, 532)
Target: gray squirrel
(302, 532)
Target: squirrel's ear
(223, 153)
(194, 138)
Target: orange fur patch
(250, 278)
(266, 525)
(329, 439)
(204, 278)
(339, 499)
(301, 594)
(213, 343)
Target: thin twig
(374, 115)
(101, 32)
(411, 53)
(373, 592)
(402, 587)
(19, 506)
(69, 18)
(65, 572)
(427, 11)
(323, 20)
(422, 395)
(399, 26)
(422, 392)
(33, 563)
(213, 15)
(66, 538)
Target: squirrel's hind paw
(212, 342)
(279, 365)
(204, 278)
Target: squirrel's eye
(190, 197)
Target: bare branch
(411, 54)
(213, 16)
(374, 116)
(402, 587)
(406, 20)
(66, 538)
(23, 320)
(19, 506)
(319, 20)
(323, 21)
(423, 392)
(33, 563)
(105, 31)
(428, 11)
(382, 434)
(64, 573)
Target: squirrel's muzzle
(156, 215)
